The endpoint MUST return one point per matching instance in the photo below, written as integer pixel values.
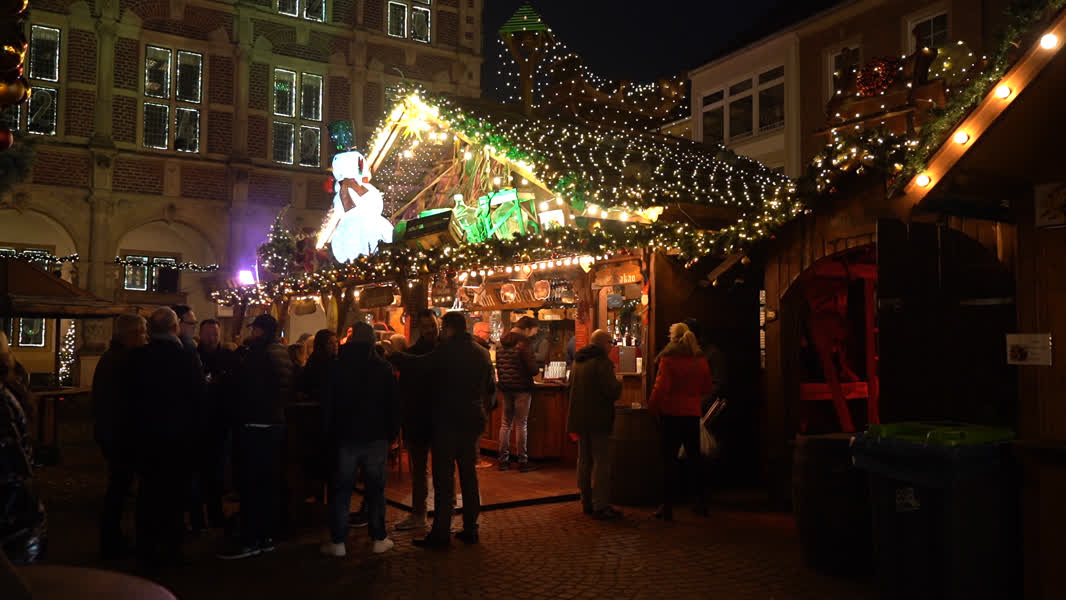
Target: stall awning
(28, 291)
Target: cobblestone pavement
(548, 551)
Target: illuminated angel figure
(356, 225)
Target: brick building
(177, 130)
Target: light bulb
(1049, 41)
(923, 180)
(961, 137)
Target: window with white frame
(173, 91)
(410, 19)
(148, 272)
(297, 132)
(838, 65)
(26, 332)
(39, 115)
(752, 105)
(930, 31)
(312, 10)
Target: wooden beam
(725, 265)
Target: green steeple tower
(524, 19)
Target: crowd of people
(175, 409)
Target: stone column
(241, 78)
(105, 77)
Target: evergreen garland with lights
(182, 266)
(41, 257)
(67, 355)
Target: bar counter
(547, 424)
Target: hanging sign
(376, 297)
(1032, 349)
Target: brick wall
(374, 14)
(448, 28)
(316, 195)
(371, 104)
(344, 12)
(205, 182)
(127, 58)
(81, 64)
(124, 119)
(302, 51)
(269, 188)
(257, 136)
(331, 44)
(219, 132)
(259, 86)
(339, 99)
(80, 117)
(389, 56)
(450, 3)
(220, 79)
(61, 168)
(427, 66)
(135, 175)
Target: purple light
(246, 277)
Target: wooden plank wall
(850, 221)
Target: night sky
(642, 41)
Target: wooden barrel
(831, 501)
(635, 458)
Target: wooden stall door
(945, 304)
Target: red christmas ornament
(6, 138)
(327, 185)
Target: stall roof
(28, 291)
(600, 164)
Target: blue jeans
(371, 455)
(516, 416)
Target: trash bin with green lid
(944, 509)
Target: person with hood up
(361, 416)
(594, 389)
(164, 390)
(682, 381)
(265, 379)
(111, 419)
(515, 368)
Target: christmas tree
(67, 355)
(279, 254)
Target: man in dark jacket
(515, 368)
(415, 393)
(462, 372)
(164, 390)
(219, 365)
(187, 324)
(362, 418)
(130, 331)
(593, 392)
(265, 379)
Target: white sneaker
(383, 545)
(331, 549)
(411, 522)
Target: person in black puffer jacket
(265, 378)
(515, 368)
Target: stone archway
(34, 228)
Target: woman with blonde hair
(682, 381)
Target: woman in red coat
(682, 381)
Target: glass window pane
(310, 146)
(284, 134)
(190, 71)
(156, 125)
(163, 284)
(289, 7)
(772, 107)
(31, 332)
(940, 31)
(315, 10)
(420, 18)
(9, 117)
(187, 130)
(737, 88)
(157, 72)
(44, 53)
(42, 115)
(310, 97)
(740, 118)
(284, 93)
(713, 126)
(772, 74)
(397, 19)
(712, 98)
(136, 277)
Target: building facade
(177, 131)
(768, 99)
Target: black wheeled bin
(944, 510)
